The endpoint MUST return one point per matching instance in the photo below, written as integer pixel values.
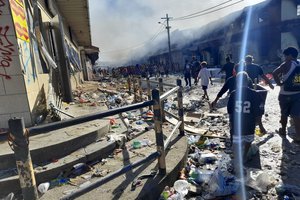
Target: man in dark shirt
(229, 86)
(254, 71)
(227, 68)
(243, 107)
(195, 69)
(187, 73)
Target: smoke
(126, 31)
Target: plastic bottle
(43, 187)
(181, 186)
(126, 120)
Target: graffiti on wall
(18, 13)
(19, 17)
(7, 47)
(26, 61)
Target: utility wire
(161, 29)
(206, 11)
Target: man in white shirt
(205, 77)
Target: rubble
(209, 171)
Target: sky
(126, 30)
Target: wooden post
(140, 89)
(180, 106)
(149, 91)
(134, 90)
(161, 91)
(19, 141)
(159, 132)
(129, 84)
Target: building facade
(274, 25)
(44, 48)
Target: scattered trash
(126, 121)
(262, 182)
(136, 144)
(283, 189)
(95, 96)
(10, 196)
(112, 121)
(148, 128)
(182, 187)
(85, 184)
(115, 126)
(140, 122)
(200, 176)
(43, 187)
(137, 182)
(222, 184)
(58, 182)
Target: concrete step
(56, 144)
(50, 171)
(120, 187)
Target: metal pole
(19, 139)
(149, 91)
(161, 91)
(180, 106)
(159, 132)
(85, 118)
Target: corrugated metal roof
(76, 14)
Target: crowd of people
(144, 70)
(247, 98)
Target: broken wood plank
(186, 127)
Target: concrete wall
(288, 10)
(288, 39)
(24, 78)
(13, 97)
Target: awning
(76, 14)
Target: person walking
(253, 70)
(195, 68)
(187, 74)
(205, 77)
(243, 107)
(288, 78)
(227, 68)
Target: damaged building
(45, 52)
(274, 25)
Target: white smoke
(123, 29)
